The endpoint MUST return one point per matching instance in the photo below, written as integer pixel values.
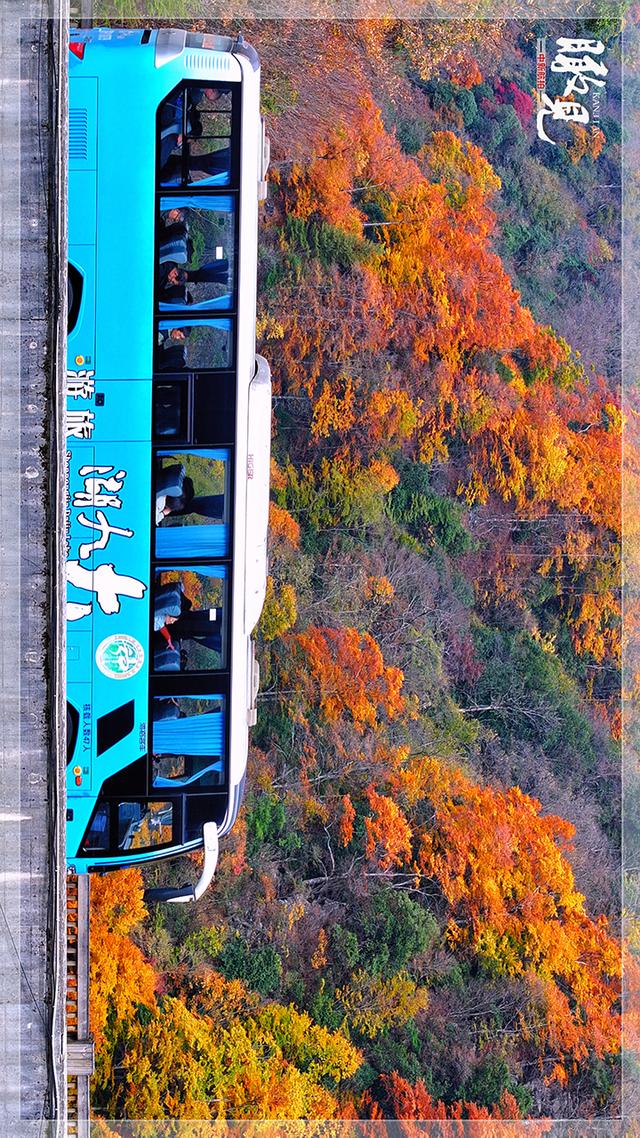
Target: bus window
(195, 772)
(201, 808)
(170, 409)
(210, 101)
(194, 126)
(196, 239)
(188, 742)
(144, 824)
(193, 345)
(97, 836)
(192, 503)
(189, 617)
(213, 408)
(171, 131)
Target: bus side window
(189, 620)
(187, 345)
(194, 136)
(97, 835)
(213, 409)
(188, 742)
(196, 253)
(170, 402)
(144, 824)
(192, 504)
(208, 135)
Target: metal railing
(80, 1050)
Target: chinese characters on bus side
(80, 422)
(102, 489)
(576, 59)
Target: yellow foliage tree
(373, 1004)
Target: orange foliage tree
(414, 1102)
(343, 671)
(388, 840)
(121, 978)
(502, 867)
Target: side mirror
(193, 892)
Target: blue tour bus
(168, 439)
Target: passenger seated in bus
(173, 285)
(206, 505)
(163, 629)
(176, 248)
(177, 295)
(213, 272)
(173, 223)
(170, 139)
(204, 626)
(171, 353)
(167, 607)
(169, 659)
(199, 166)
(173, 280)
(171, 124)
(168, 502)
(195, 95)
(173, 358)
(170, 127)
(168, 336)
(169, 479)
(170, 275)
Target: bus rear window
(194, 136)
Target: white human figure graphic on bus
(106, 583)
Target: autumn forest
(417, 913)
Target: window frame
(194, 384)
(223, 786)
(226, 615)
(181, 88)
(206, 194)
(171, 318)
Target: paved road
(31, 873)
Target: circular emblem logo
(120, 657)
